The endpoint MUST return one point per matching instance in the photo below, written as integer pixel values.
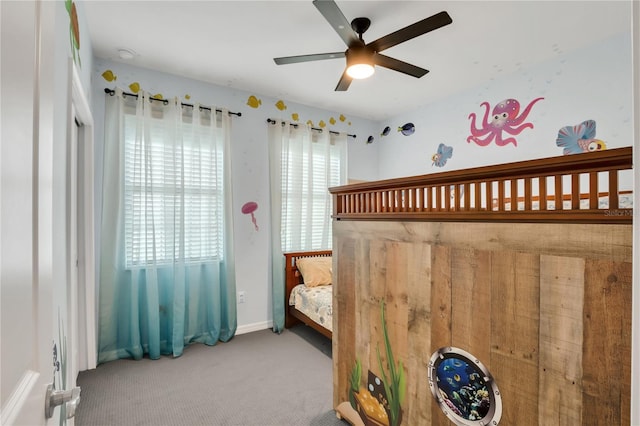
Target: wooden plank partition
(520, 265)
(491, 192)
(546, 307)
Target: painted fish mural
(385, 131)
(505, 117)
(109, 75)
(580, 138)
(135, 87)
(439, 159)
(407, 129)
(254, 102)
(281, 105)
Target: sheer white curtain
(167, 274)
(303, 164)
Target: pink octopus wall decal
(504, 118)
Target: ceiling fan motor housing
(360, 25)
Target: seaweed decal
(380, 403)
(395, 383)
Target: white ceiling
(233, 43)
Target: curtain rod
(166, 101)
(313, 128)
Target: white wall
(249, 158)
(590, 83)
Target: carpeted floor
(256, 379)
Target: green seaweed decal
(354, 381)
(380, 401)
(74, 31)
(395, 383)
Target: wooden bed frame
(293, 278)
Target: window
(172, 193)
(307, 173)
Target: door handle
(54, 398)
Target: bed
(309, 303)
(522, 266)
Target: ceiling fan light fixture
(360, 71)
(359, 64)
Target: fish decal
(322, 124)
(580, 138)
(407, 129)
(254, 102)
(295, 116)
(370, 140)
(280, 105)
(385, 131)
(134, 87)
(310, 123)
(187, 96)
(158, 96)
(109, 75)
(342, 118)
(439, 159)
(332, 121)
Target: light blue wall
(249, 162)
(590, 83)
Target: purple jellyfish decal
(249, 208)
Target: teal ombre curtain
(167, 274)
(303, 164)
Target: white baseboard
(256, 326)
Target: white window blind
(173, 192)
(306, 203)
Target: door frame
(86, 314)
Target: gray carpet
(256, 379)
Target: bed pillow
(315, 270)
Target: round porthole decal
(464, 388)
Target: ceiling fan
(362, 57)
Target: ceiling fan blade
(414, 30)
(400, 66)
(307, 58)
(344, 83)
(332, 13)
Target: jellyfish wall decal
(249, 208)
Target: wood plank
(419, 398)
(561, 340)
(593, 190)
(607, 376)
(613, 189)
(575, 191)
(440, 313)
(580, 240)
(364, 303)
(377, 293)
(471, 312)
(396, 313)
(514, 334)
(543, 192)
(344, 306)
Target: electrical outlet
(241, 296)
